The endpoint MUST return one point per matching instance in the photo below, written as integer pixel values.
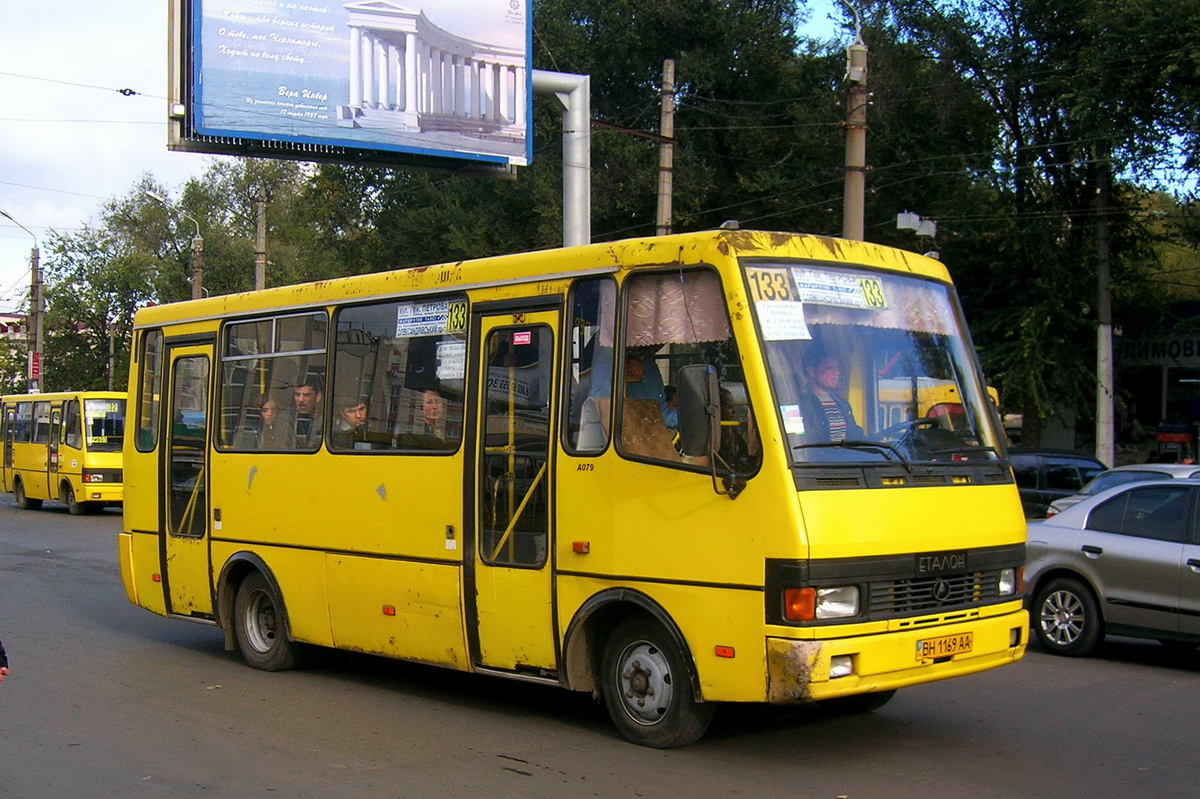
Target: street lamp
(33, 371)
(197, 245)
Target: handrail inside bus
(512, 523)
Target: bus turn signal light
(799, 604)
(581, 547)
(723, 651)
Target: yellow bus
(63, 446)
(594, 467)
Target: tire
(259, 626)
(647, 685)
(859, 703)
(74, 506)
(1066, 618)
(23, 500)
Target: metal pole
(1105, 444)
(37, 308)
(856, 140)
(666, 152)
(573, 93)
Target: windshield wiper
(965, 450)
(858, 443)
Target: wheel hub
(646, 683)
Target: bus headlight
(806, 604)
(837, 603)
(1008, 581)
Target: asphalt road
(106, 699)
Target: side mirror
(699, 409)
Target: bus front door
(509, 571)
(186, 570)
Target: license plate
(945, 646)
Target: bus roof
(708, 246)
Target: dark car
(1125, 561)
(1045, 475)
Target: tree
(1072, 100)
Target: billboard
(420, 82)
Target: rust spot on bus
(789, 670)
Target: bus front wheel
(647, 687)
(259, 626)
(23, 500)
(74, 506)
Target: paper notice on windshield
(782, 321)
(842, 290)
(793, 422)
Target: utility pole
(1105, 445)
(37, 310)
(856, 137)
(666, 151)
(260, 240)
(33, 372)
(197, 264)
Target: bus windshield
(869, 366)
(104, 424)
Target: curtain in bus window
(678, 308)
(674, 320)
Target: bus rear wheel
(23, 500)
(258, 619)
(648, 687)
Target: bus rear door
(508, 581)
(184, 502)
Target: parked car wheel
(1066, 618)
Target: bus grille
(903, 597)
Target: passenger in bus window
(827, 415)
(433, 413)
(671, 413)
(273, 433)
(306, 399)
(350, 429)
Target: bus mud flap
(791, 669)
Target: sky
(72, 137)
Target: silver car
(1119, 475)
(1124, 561)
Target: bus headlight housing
(837, 603)
(1007, 584)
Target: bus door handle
(1194, 563)
(1092, 551)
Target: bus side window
(41, 422)
(405, 362)
(589, 381)
(72, 435)
(674, 319)
(150, 390)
